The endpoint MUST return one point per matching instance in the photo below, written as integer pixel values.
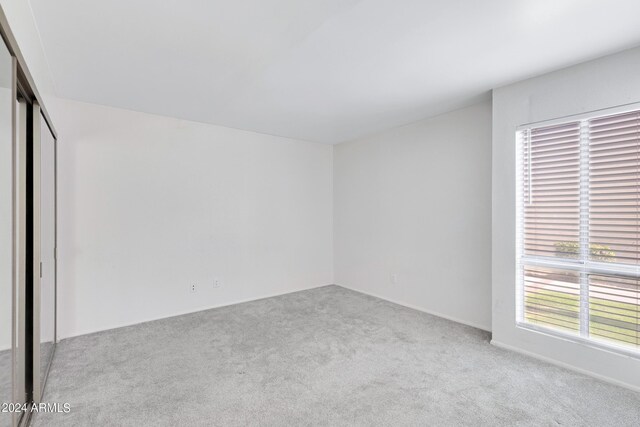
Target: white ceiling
(318, 70)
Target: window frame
(583, 265)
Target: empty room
(319, 213)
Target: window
(578, 236)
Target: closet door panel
(47, 248)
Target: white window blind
(578, 237)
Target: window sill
(598, 345)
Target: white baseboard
(566, 366)
(182, 313)
(404, 304)
(422, 309)
(505, 346)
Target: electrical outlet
(394, 278)
(193, 287)
(216, 283)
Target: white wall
(414, 202)
(149, 205)
(598, 84)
